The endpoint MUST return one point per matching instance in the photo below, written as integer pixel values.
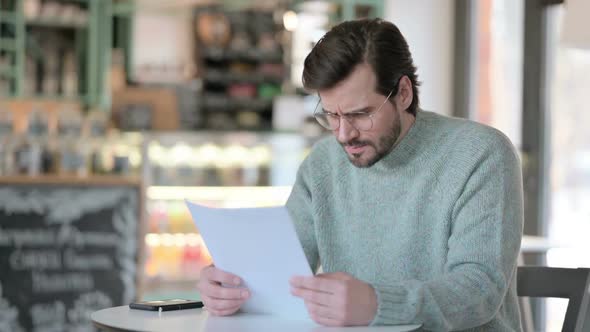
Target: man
(414, 217)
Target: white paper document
(259, 245)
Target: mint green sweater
(435, 226)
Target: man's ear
(405, 94)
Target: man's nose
(346, 132)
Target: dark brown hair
(374, 41)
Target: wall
(163, 42)
(428, 25)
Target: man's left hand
(336, 299)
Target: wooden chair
(572, 284)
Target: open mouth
(355, 149)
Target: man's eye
(357, 115)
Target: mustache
(355, 143)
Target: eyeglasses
(359, 120)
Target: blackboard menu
(65, 252)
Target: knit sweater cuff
(394, 306)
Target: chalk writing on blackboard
(67, 251)
(8, 315)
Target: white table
(198, 320)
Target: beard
(382, 147)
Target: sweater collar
(410, 147)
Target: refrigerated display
(237, 169)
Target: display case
(221, 169)
(237, 169)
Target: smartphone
(166, 305)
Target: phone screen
(166, 305)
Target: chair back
(572, 284)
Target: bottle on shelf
(33, 152)
(31, 74)
(230, 164)
(72, 154)
(118, 76)
(258, 169)
(51, 68)
(175, 249)
(70, 75)
(96, 131)
(208, 154)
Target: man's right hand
(220, 300)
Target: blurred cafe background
(113, 112)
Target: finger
(207, 268)
(204, 274)
(217, 304)
(327, 321)
(316, 297)
(204, 280)
(214, 274)
(319, 310)
(224, 293)
(318, 284)
(224, 312)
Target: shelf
(276, 195)
(219, 54)
(223, 102)
(224, 77)
(95, 180)
(56, 23)
(42, 97)
(201, 137)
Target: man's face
(357, 93)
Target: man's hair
(374, 41)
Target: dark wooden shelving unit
(241, 67)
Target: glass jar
(32, 152)
(73, 159)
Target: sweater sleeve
(300, 208)
(483, 245)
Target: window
(569, 189)
(498, 66)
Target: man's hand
(220, 300)
(336, 299)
